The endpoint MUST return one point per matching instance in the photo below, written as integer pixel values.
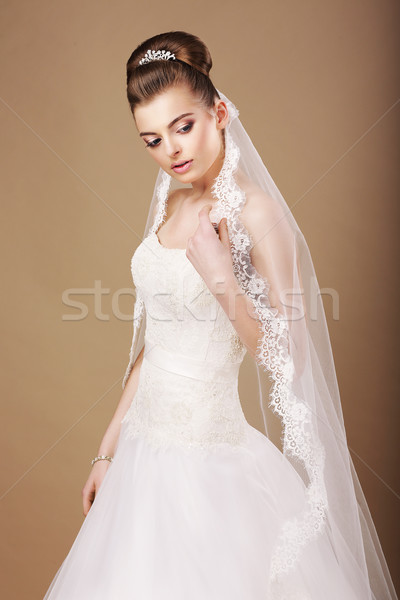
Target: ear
(221, 114)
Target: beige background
(316, 86)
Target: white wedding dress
(191, 506)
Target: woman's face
(176, 128)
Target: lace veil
(294, 356)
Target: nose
(173, 149)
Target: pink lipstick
(183, 167)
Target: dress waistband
(190, 367)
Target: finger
(86, 505)
(89, 498)
(204, 213)
(223, 233)
(206, 208)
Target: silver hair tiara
(156, 55)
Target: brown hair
(191, 67)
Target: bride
(185, 499)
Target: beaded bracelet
(102, 457)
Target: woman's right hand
(93, 484)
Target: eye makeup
(184, 129)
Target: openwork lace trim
(162, 195)
(138, 310)
(298, 438)
(138, 313)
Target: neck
(202, 186)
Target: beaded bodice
(182, 315)
(187, 392)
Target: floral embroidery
(173, 410)
(138, 313)
(236, 349)
(182, 423)
(273, 357)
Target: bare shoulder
(262, 213)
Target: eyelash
(153, 145)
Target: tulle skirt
(172, 525)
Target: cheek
(207, 143)
(159, 158)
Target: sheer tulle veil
(294, 366)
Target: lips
(182, 166)
(179, 164)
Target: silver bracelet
(102, 457)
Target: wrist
(224, 284)
(102, 458)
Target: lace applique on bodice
(188, 384)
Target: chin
(188, 177)
(192, 176)
(184, 178)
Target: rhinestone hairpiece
(156, 55)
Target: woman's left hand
(209, 252)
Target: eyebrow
(169, 126)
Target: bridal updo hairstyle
(191, 67)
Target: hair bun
(186, 47)
(146, 79)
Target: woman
(185, 498)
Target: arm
(110, 437)
(271, 255)
(238, 307)
(109, 441)
(211, 257)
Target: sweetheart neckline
(165, 247)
